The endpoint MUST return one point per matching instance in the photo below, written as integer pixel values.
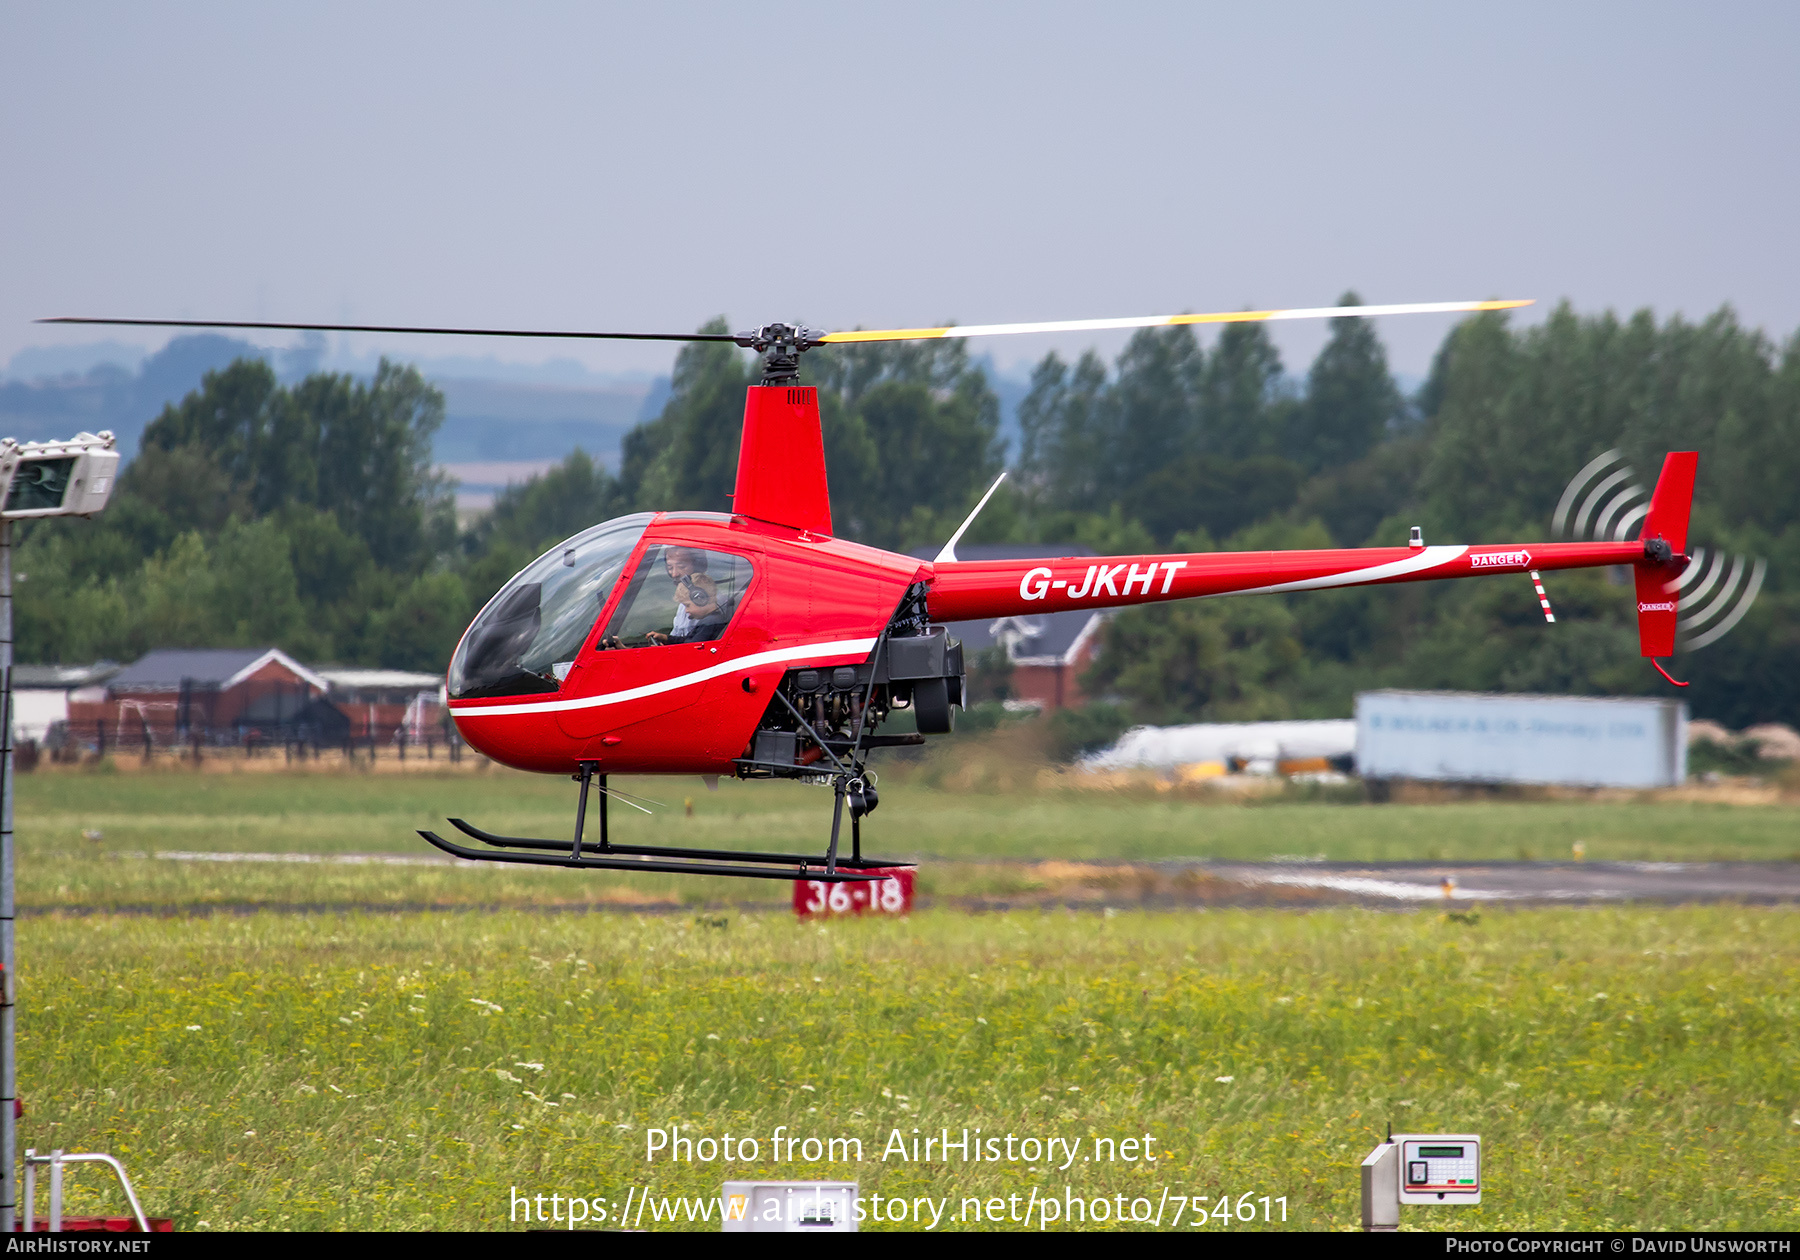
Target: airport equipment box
(1470, 738)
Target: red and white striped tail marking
(1543, 599)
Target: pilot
(696, 597)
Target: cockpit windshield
(525, 640)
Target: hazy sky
(649, 166)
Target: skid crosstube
(807, 868)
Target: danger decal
(1500, 560)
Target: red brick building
(1049, 652)
(216, 695)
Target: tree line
(310, 515)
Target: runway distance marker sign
(890, 894)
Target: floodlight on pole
(72, 478)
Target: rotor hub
(781, 346)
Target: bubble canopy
(525, 640)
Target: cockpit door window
(679, 594)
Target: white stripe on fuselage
(858, 647)
(1429, 558)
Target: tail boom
(1001, 588)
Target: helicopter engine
(817, 712)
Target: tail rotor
(1602, 502)
(1606, 501)
(1714, 594)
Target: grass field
(1627, 1068)
(1633, 1068)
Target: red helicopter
(759, 645)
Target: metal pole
(9, 1091)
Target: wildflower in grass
(193, 1028)
(535, 1067)
(808, 1088)
(504, 1075)
(714, 1037)
(1224, 1080)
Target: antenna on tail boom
(948, 554)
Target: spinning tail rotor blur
(1605, 501)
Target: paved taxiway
(1296, 884)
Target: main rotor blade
(388, 328)
(1157, 321)
(836, 338)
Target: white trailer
(1573, 740)
(1257, 743)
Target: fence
(135, 735)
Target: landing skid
(583, 854)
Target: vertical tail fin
(781, 459)
(1665, 538)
